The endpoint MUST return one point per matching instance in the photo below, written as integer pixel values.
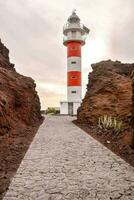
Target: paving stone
(65, 163)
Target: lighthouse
(75, 34)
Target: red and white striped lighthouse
(74, 37)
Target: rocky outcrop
(19, 102)
(20, 117)
(4, 58)
(132, 121)
(109, 92)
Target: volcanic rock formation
(20, 117)
(109, 92)
(19, 102)
(132, 121)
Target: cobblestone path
(64, 163)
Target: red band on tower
(74, 49)
(74, 78)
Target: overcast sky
(32, 30)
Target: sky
(32, 31)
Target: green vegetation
(52, 111)
(107, 122)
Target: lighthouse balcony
(80, 39)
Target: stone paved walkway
(64, 163)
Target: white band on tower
(74, 63)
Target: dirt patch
(120, 143)
(13, 147)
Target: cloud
(121, 39)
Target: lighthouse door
(70, 108)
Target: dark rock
(4, 58)
(109, 92)
(19, 102)
(132, 121)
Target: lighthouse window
(74, 77)
(73, 62)
(74, 48)
(74, 33)
(73, 91)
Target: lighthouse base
(69, 108)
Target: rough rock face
(132, 121)
(4, 58)
(109, 92)
(19, 102)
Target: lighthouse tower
(74, 38)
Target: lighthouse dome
(73, 30)
(73, 18)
